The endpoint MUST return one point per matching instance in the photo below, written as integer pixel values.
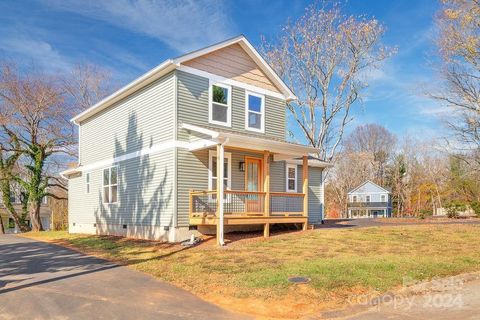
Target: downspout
(220, 165)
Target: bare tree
(376, 140)
(35, 110)
(459, 48)
(324, 57)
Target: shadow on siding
(144, 193)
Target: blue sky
(129, 38)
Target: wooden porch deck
(247, 207)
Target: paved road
(45, 281)
(363, 223)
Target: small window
(254, 112)
(110, 185)
(87, 183)
(212, 172)
(367, 198)
(220, 104)
(354, 198)
(291, 178)
(45, 200)
(383, 198)
(11, 223)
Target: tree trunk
(2, 228)
(35, 216)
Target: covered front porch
(262, 192)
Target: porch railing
(246, 203)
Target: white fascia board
(214, 78)
(130, 88)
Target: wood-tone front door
(253, 182)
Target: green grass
(339, 262)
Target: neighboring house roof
(368, 181)
(171, 64)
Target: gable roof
(171, 64)
(364, 183)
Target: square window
(254, 103)
(219, 95)
(219, 113)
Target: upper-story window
(110, 185)
(354, 198)
(367, 198)
(220, 104)
(291, 178)
(255, 112)
(383, 198)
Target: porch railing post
(266, 189)
(305, 189)
(220, 161)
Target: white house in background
(369, 200)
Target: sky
(131, 37)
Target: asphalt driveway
(44, 281)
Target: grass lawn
(250, 275)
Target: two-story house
(198, 143)
(369, 200)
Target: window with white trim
(383, 197)
(254, 112)
(354, 198)
(220, 110)
(87, 183)
(367, 199)
(291, 178)
(110, 185)
(212, 170)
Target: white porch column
(220, 191)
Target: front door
(253, 182)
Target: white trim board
(219, 79)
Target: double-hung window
(254, 112)
(383, 198)
(212, 171)
(110, 185)
(354, 198)
(220, 104)
(291, 178)
(368, 198)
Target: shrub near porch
(250, 275)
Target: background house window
(110, 185)
(212, 170)
(220, 103)
(291, 178)
(87, 183)
(383, 198)
(11, 223)
(254, 112)
(354, 198)
(367, 198)
(13, 198)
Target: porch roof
(282, 150)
